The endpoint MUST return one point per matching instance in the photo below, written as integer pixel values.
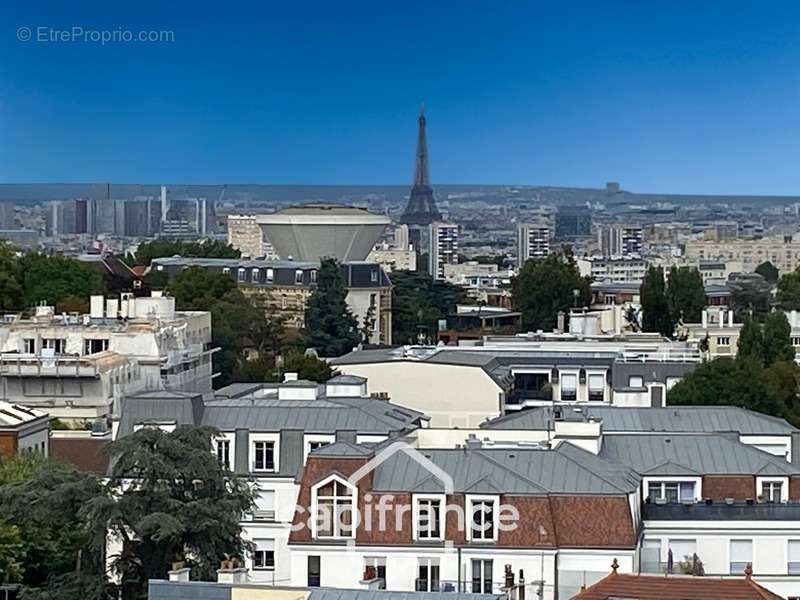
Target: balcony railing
(722, 511)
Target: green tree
(751, 295)
(751, 341)
(10, 553)
(768, 271)
(43, 500)
(656, 314)
(307, 366)
(783, 382)
(546, 287)
(788, 294)
(330, 327)
(686, 294)
(777, 338)
(10, 287)
(161, 248)
(185, 505)
(418, 303)
(53, 278)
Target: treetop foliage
(164, 247)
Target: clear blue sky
(662, 96)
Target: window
(334, 506)
(270, 275)
(771, 491)
(93, 346)
(223, 449)
(428, 575)
(242, 274)
(254, 276)
(265, 506)
(298, 276)
(314, 276)
(481, 576)
(29, 346)
(373, 276)
(482, 512)
(375, 568)
(651, 556)
(429, 518)
(682, 550)
(264, 555)
(723, 340)
(793, 558)
(597, 388)
(226, 270)
(58, 345)
(569, 387)
(636, 381)
(316, 445)
(263, 456)
(795, 341)
(671, 491)
(741, 556)
(314, 571)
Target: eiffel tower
(421, 209)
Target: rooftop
(14, 415)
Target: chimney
(230, 572)
(794, 455)
(96, 306)
(614, 566)
(705, 318)
(748, 572)
(179, 572)
(472, 442)
(730, 318)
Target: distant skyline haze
(678, 97)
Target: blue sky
(672, 96)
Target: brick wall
(738, 487)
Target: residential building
(443, 248)
(23, 429)
(716, 334)
(620, 240)
(246, 235)
(267, 432)
(614, 270)
(533, 242)
(285, 286)
(782, 251)
(464, 385)
(77, 366)
(473, 322)
(394, 259)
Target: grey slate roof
(695, 419)
(343, 449)
(681, 454)
(567, 469)
(346, 380)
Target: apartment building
(464, 385)
(267, 431)
(619, 240)
(285, 286)
(630, 269)
(77, 366)
(781, 251)
(533, 242)
(393, 259)
(443, 248)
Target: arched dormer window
(333, 505)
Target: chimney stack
(179, 572)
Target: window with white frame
(226, 270)
(334, 506)
(270, 275)
(427, 575)
(222, 448)
(58, 345)
(481, 576)
(636, 381)
(569, 387)
(483, 521)
(428, 517)
(313, 276)
(264, 555)
(793, 557)
(29, 346)
(264, 505)
(723, 340)
(597, 388)
(772, 490)
(741, 555)
(254, 275)
(316, 441)
(94, 345)
(795, 341)
(651, 556)
(375, 568)
(242, 274)
(671, 491)
(298, 276)
(264, 455)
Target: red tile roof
(654, 587)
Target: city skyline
(673, 100)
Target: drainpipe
(459, 569)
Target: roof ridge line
(614, 485)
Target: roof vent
(472, 442)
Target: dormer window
(333, 505)
(428, 517)
(772, 489)
(482, 514)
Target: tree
(169, 499)
(161, 248)
(330, 327)
(751, 341)
(686, 294)
(44, 500)
(656, 314)
(768, 271)
(307, 366)
(777, 338)
(750, 295)
(546, 287)
(418, 303)
(10, 288)
(788, 294)
(10, 553)
(53, 278)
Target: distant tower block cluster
(533, 241)
(421, 210)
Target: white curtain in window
(681, 549)
(265, 500)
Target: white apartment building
(443, 247)
(77, 366)
(533, 242)
(613, 270)
(620, 240)
(393, 259)
(781, 251)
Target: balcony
(522, 397)
(722, 511)
(32, 365)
